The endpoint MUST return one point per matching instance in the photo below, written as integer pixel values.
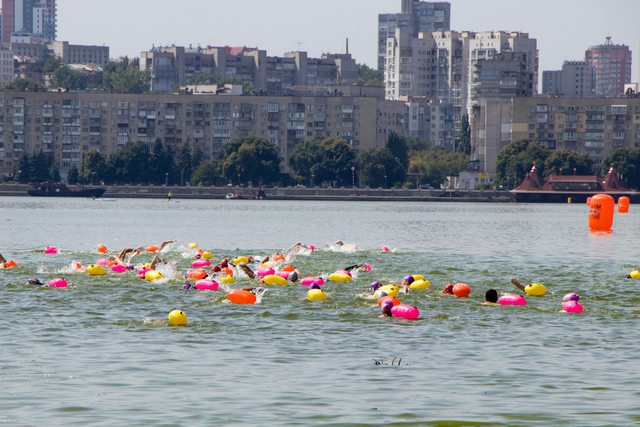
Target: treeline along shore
(282, 193)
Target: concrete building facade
(6, 66)
(68, 125)
(416, 16)
(172, 66)
(29, 18)
(593, 126)
(577, 79)
(612, 65)
(80, 54)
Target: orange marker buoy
(461, 290)
(601, 212)
(10, 264)
(197, 274)
(102, 249)
(623, 204)
(240, 296)
(152, 248)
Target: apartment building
(577, 79)
(68, 125)
(79, 54)
(172, 66)
(416, 16)
(592, 126)
(29, 19)
(6, 66)
(612, 65)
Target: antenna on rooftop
(298, 44)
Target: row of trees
(516, 159)
(402, 162)
(122, 77)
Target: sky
(564, 28)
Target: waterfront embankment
(285, 193)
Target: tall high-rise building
(35, 18)
(577, 79)
(612, 65)
(417, 16)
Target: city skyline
(157, 22)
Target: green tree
(23, 172)
(207, 173)
(93, 167)
(22, 85)
(399, 148)
(251, 159)
(465, 136)
(129, 165)
(184, 162)
(40, 166)
(368, 76)
(433, 166)
(380, 168)
(125, 77)
(626, 162)
(565, 162)
(161, 165)
(304, 161)
(517, 158)
(67, 78)
(337, 159)
(73, 176)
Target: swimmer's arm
(165, 243)
(2, 260)
(517, 284)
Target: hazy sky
(563, 28)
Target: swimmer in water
(491, 297)
(2, 261)
(35, 281)
(517, 284)
(448, 289)
(386, 307)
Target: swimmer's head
(35, 281)
(375, 285)
(187, 286)
(386, 307)
(216, 269)
(408, 279)
(224, 262)
(448, 289)
(491, 295)
(314, 286)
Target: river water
(88, 354)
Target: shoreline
(285, 193)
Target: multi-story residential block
(416, 16)
(28, 18)
(431, 121)
(592, 126)
(6, 66)
(68, 125)
(612, 65)
(79, 54)
(577, 79)
(172, 66)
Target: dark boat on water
(58, 189)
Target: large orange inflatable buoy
(241, 296)
(601, 212)
(623, 204)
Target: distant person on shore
(491, 297)
(169, 196)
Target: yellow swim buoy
(152, 275)
(96, 270)
(391, 290)
(316, 295)
(535, 290)
(177, 318)
(417, 277)
(420, 284)
(635, 274)
(272, 279)
(192, 245)
(207, 255)
(228, 280)
(340, 277)
(241, 260)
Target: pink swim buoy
(207, 285)
(118, 268)
(385, 249)
(342, 272)
(572, 307)
(512, 299)
(265, 271)
(200, 263)
(405, 311)
(50, 250)
(283, 274)
(142, 272)
(308, 281)
(58, 283)
(102, 261)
